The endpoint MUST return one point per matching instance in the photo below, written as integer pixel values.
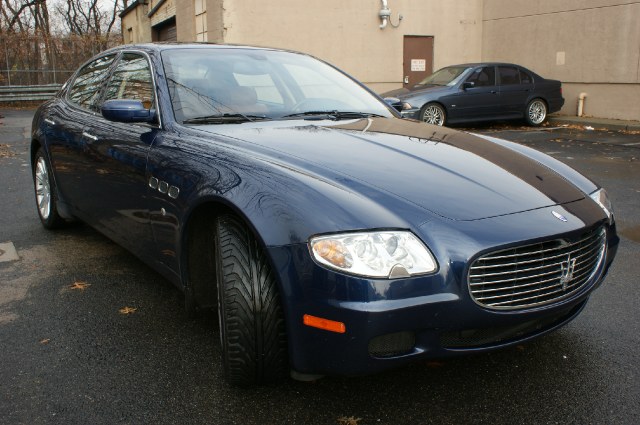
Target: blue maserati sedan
(479, 92)
(330, 235)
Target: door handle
(494, 91)
(90, 136)
(48, 121)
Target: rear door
(65, 131)
(515, 87)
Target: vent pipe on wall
(385, 16)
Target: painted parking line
(8, 252)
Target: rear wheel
(45, 192)
(432, 113)
(252, 329)
(536, 112)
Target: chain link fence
(27, 60)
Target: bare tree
(84, 17)
(44, 40)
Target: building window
(201, 20)
(130, 35)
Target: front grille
(536, 274)
(486, 337)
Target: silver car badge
(559, 216)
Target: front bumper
(425, 317)
(411, 113)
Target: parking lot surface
(89, 334)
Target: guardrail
(28, 93)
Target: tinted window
(131, 79)
(86, 86)
(509, 75)
(444, 77)
(525, 77)
(482, 77)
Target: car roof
(161, 46)
(474, 64)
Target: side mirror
(394, 102)
(468, 85)
(127, 110)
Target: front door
(118, 155)
(418, 59)
(483, 99)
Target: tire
(45, 192)
(252, 327)
(433, 113)
(536, 112)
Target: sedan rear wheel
(252, 329)
(536, 112)
(45, 192)
(432, 113)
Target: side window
(86, 87)
(131, 79)
(509, 75)
(525, 77)
(483, 77)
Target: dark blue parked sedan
(331, 236)
(479, 92)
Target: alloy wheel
(433, 114)
(537, 112)
(43, 188)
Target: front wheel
(252, 329)
(432, 113)
(536, 112)
(45, 192)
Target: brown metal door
(418, 59)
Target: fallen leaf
(343, 420)
(45, 341)
(435, 364)
(5, 152)
(127, 310)
(80, 285)
(520, 347)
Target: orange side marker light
(326, 324)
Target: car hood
(416, 90)
(450, 173)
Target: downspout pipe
(581, 99)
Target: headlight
(384, 254)
(406, 105)
(602, 199)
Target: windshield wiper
(225, 119)
(334, 115)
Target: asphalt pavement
(90, 335)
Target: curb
(597, 123)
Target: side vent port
(392, 345)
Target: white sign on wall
(418, 65)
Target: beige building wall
(135, 25)
(592, 46)
(348, 35)
(185, 20)
(165, 11)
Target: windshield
(234, 84)
(444, 77)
